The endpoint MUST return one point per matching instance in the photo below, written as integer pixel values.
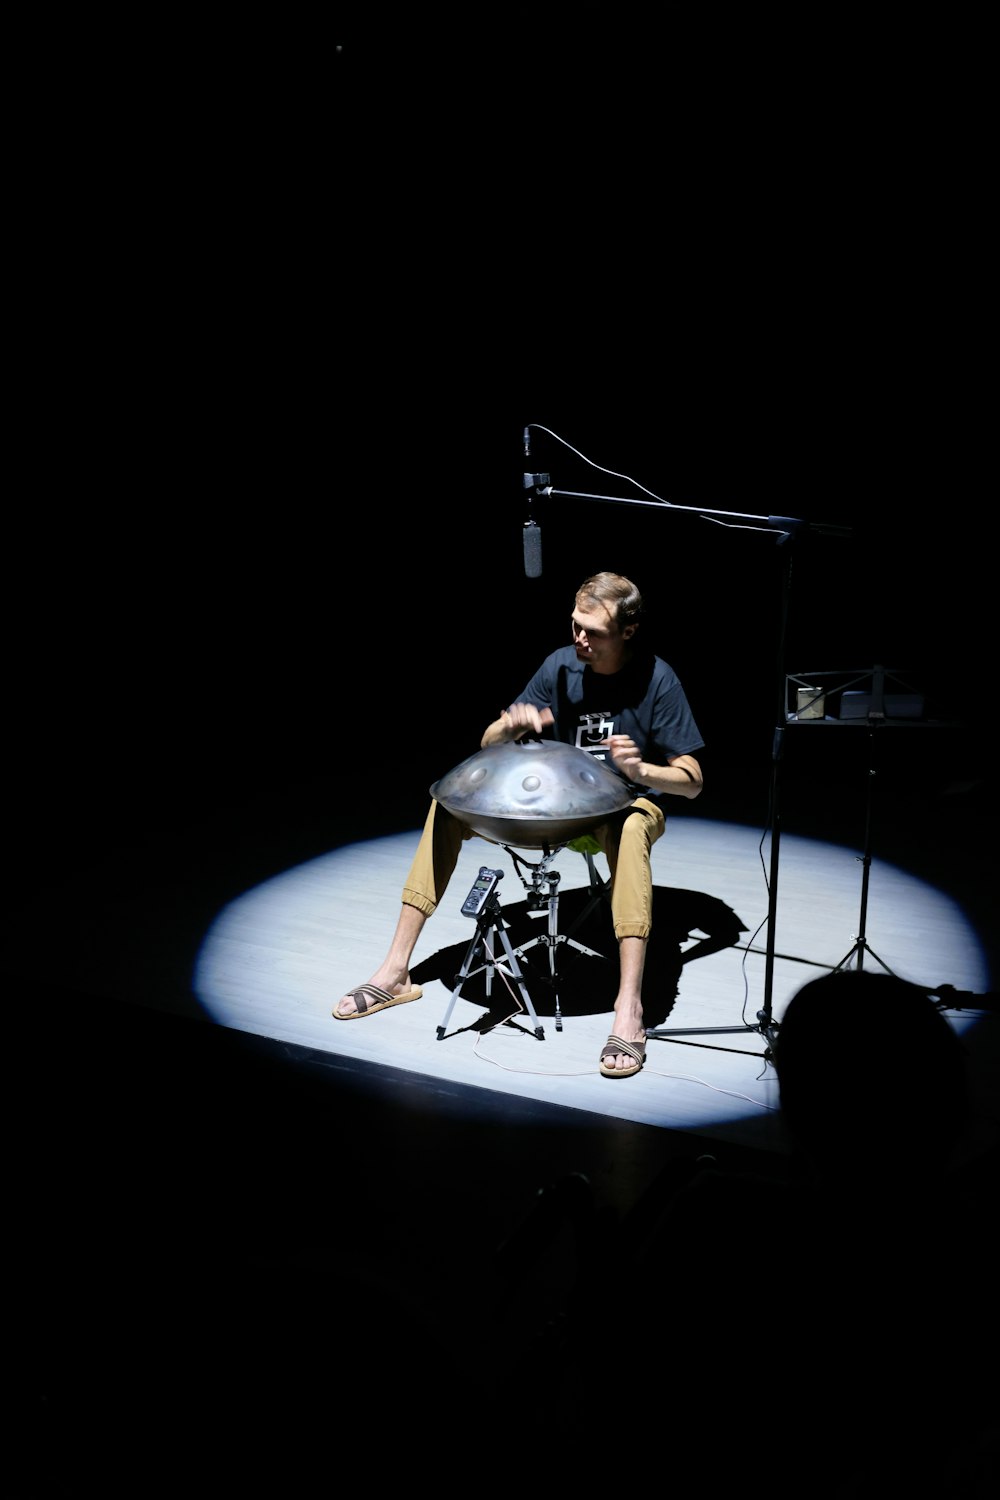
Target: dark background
(304, 613)
(284, 311)
(265, 552)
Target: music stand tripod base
(861, 943)
(489, 918)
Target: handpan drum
(532, 795)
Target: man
(609, 695)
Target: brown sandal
(613, 1047)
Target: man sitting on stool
(609, 695)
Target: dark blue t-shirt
(644, 700)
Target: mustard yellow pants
(626, 841)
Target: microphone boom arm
(541, 484)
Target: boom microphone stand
(787, 529)
(766, 1026)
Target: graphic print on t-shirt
(592, 730)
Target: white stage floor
(277, 959)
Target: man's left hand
(625, 753)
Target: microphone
(532, 531)
(532, 550)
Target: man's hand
(522, 717)
(625, 753)
(518, 720)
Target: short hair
(619, 595)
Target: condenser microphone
(532, 531)
(532, 550)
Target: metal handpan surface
(532, 795)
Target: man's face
(598, 640)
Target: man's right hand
(515, 722)
(522, 717)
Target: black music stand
(876, 718)
(888, 701)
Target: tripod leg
(463, 974)
(516, 971)
(861, 947)
(871, 950)
(483, 924)
(553, 938)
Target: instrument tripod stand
(489, 918)
(548, 901)
(543, 899)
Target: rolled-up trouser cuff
(413, 898)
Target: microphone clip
(536, 481)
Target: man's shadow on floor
(586, 953)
